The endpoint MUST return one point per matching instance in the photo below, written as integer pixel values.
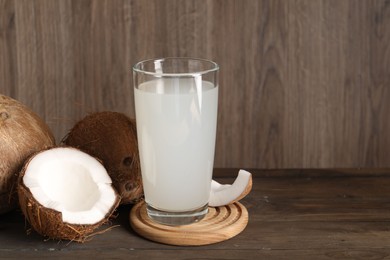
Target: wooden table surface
(293, 214)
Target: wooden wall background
(304, 83)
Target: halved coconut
(225, 194)
(112, 138)
(66, 194)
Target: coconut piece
(225, 194)
(112, 138)
(22, 133)
(65, 193)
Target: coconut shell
(22, 133)
(112, 138)
(48, 222)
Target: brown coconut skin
(112, 138)
(48, 222)
(22, 133)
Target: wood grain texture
(339, 214)
(304, 83)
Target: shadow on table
(16, 232)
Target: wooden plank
(271, 235)
(260, 234)
(340, 217)
(379, 70)
(305, 173)
(303, 83)
(8, 63)
(265, 253)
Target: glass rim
(213, 64)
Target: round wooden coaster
(219, 224)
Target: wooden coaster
(220, 224)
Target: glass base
(176, 218)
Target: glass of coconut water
(176, 102)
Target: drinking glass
(176, 101)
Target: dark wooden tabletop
(293, 214)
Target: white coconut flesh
(225, 194)
(71, 182)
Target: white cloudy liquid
(176, 127)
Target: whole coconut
(112, 138)
(22, 133)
